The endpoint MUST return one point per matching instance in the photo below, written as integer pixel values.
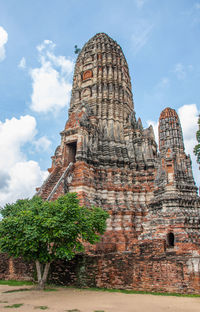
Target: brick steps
(51, 181)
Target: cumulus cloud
(141, 34)
(3, 41)
(42, 144)
(188, 115)
(4, 179)
(18, 176)
(22, 63)
(51, 82)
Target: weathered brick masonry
(110, 160)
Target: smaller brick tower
(172, 159)
(174, 212)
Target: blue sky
(160, 40)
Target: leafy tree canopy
(76, 49)
(197, 147)
(43, 231)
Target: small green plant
(15, 305)
(15, 283)
(73, 310)
(41, 307)
(76, 49)
(99, 311)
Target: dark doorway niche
(170, 240)
(71, 148)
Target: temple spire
(170, 132)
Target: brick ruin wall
(143, 271)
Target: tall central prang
(102, 106)
(110, 160)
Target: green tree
(42, 231)
(197, 147)
(76, 49)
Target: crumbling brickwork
(110, 160)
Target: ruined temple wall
(148, 268)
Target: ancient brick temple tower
(110, 160)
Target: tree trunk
(42, 278)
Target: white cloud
(19, 177)
(51, 82)
(193, 14)
(179, 70)
(188, 115)
(162, 84)
(140, 3)
(3, 41)
(42, 144)
(141, 34)
(197, 5)
(22, 63)
(155, 128)
(46, 43)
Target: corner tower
(170, 132)
(174, 169)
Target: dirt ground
(75, 300)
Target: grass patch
(126, 291)
(15, 305)
(73, 310)
(16, 290)
(15, 283)
(99, 311)
(50, 289)
(41, 307)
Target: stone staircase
(50, 185)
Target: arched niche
(87, 74)
(170, 240)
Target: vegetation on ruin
(197, 147)
(43, 231)
(76, 49)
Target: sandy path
(89, 301)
